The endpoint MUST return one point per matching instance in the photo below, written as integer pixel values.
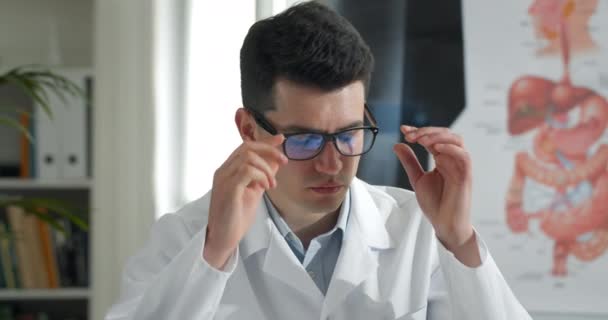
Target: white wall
(46, 31)
(123, 144)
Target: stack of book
(34, 255)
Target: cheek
(293, 171)
(351, 165)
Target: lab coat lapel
(283, 265)
(279, 261)
(258, 236)
(357, 262)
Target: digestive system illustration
(567, 156)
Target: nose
(329, 161)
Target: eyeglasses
(350, 142)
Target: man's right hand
(238, 186)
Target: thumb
(409, 161)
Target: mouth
(328, 188)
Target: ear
(245, 124)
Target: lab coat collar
(357, 261)
(370, 219)
(258, 236)
(279, 261)
(366, 231)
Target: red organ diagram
(567, 156)
(548, 16)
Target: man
(288, 232)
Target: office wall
(48, 31)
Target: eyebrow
(294, 128)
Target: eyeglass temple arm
(259, 118)
(370, 115)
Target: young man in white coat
(288, 232)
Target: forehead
(314, 108)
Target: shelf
(44, 294)
(16, 183)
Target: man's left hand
(444, 193)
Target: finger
(270, 169)
(430, 130)
(277, 140)
(266, 151)
(235, 154)
(269, 146)
(457, 155)
(405, 128)
(441, 137)
(412, 135)
(248, 150)
(430, 149)
(408, 132)
(248, 175)
(448, 168)
(410, 163)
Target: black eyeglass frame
(265, 124)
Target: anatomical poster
(536, 125)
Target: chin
(324, 203)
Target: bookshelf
(69, 301)
(44, 294)
(31, 184)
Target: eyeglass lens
(349, 143)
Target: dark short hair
(309, 44)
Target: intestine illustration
(567, 156)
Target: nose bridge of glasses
(333, 138)
(334, 150)
(327, 137)
(344, 141)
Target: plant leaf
(39, 97)
(32, 205)
(10, 122)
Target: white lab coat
(391, 266)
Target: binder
(61, 143)
(73, 157)
(46, 141)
